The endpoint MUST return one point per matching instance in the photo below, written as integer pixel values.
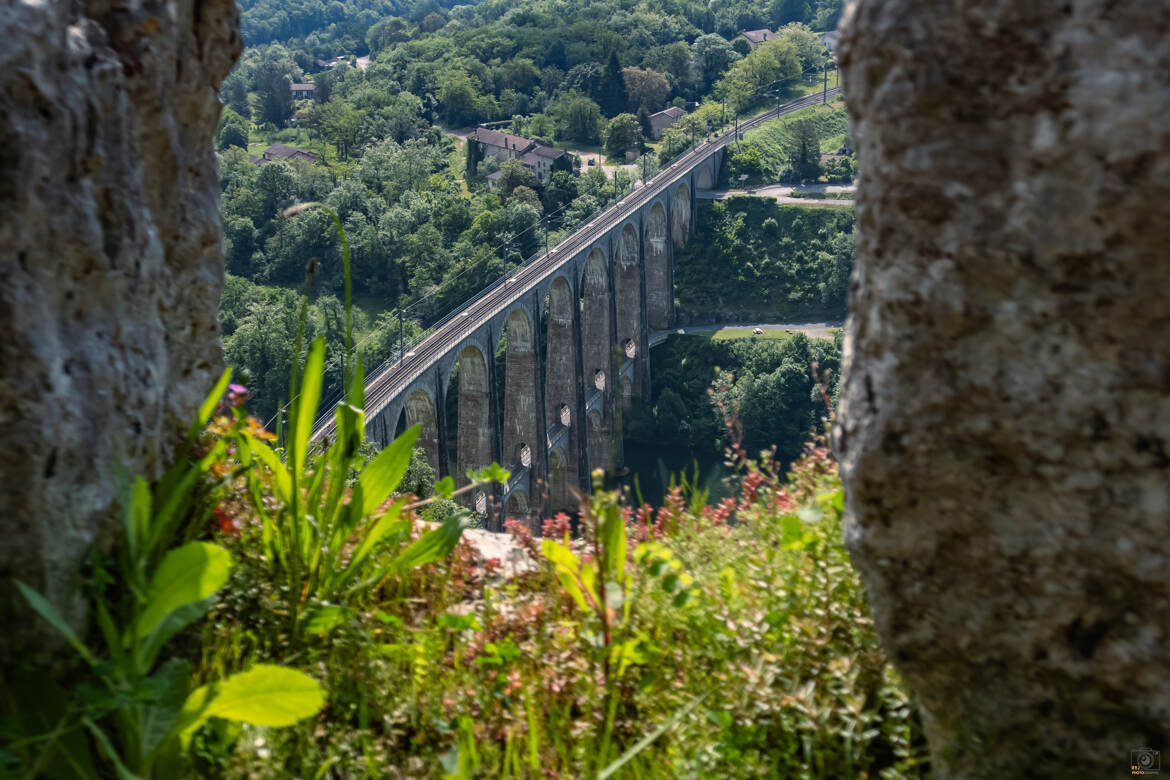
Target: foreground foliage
(741, 625)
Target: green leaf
(793, 529)
(493, 473)
(270, 459)
(186, 575)
(212, 400)
(50, 613)
(325, 617)
(388, 525)
(384, 473)
(168, 689)
(110, 752)
(307, 402)
(265, 695)
(445, 487)
(149, 647)
(432, 546)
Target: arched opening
(599, 440)
(420, 410)
(705, 179)
(627, 391)
(519, 509)
(596, 355)
(560, 479)
(520, 418)
(627, 279)
(656, 249)
(561, 388)
(473, 417)
(680, 216)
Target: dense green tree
(512, 175)
(770, 63)
(474, 157)
(612, 89)
(623, 132)
(577, 117)
(232, 131)
(645, 88)
(644, 122)
(805, 159)
(712, 56)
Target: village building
(282, 152)
(756, 37)
(663, 119)
(303, 91)
(503, 146)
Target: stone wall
(109, 234)
(1005, 423)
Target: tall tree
(713, 54)
(474, 155)
(612, 90)
(645, 88)
(622, 133)
(805, 157)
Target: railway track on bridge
(388, 383)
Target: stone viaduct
(574, 353)
(536, 372)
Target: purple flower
(235, 389)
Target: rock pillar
(110, 247)
(1004, 428)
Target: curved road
(387, 384)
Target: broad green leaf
(149, 647)
(168, 691)
(50, 613)
(387, 525)
(384, 473)
(307, 403)
(325, 617)
(793, 529)
(431, 546)
(186, 575)
(567, 566)
(265, 695)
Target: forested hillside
(426, 229)
(760, 260)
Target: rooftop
(502, 140)
(758, 36)
(674, 112)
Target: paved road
(388, 381)
(815, 330)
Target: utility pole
(615, 195)
(825, 94)
(401, 337)
(643, 169)
(546, 236)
